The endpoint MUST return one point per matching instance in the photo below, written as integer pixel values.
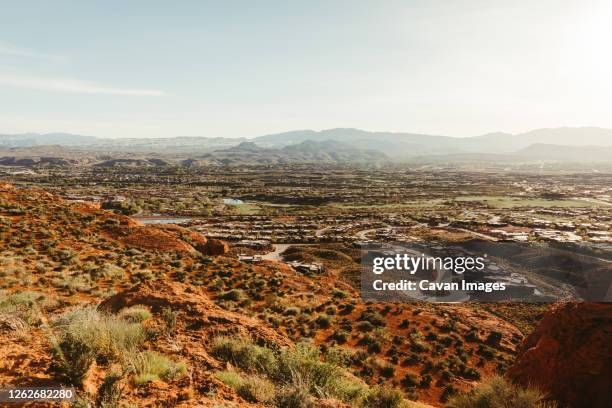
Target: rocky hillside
(162, 316)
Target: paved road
(362, 234)
(278, 250)
(478, 234)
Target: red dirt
(203, 317)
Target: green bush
(256, 389)
(299, 373)
(229, 378)
(303, 364)
(364, 326)
(300, 365)
(323, 321)
(294, 396)
(410, 380)
(339, 294)
(169, 317)
(382, 397)
(135, 314)
(235, 295)
(292, 311)
(73, 356)
(244, 354)
(494, 338)
(109, 392)
(497, 392)
(109, 337)
(22, 305)
(341, 336)
(387, 371)
(338, 356)
(151, 366)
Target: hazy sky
(247, 68)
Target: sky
(248, 68)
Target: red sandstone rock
(569, 355)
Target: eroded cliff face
(569, 355)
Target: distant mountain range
(308, 151)
(567, 153)
(329, 146)
(412, 144)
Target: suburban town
(262, 212)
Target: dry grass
(152, 366)
(497, 392)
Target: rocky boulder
(569, 355)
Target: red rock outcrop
(569, 355)
(166, 238)
(214, 247)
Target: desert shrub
(294, 396)
(382, 397)
(471, 373)
(143, 275)
(292, 311)
(244, 354)
(135, 314)
(417, 344)
(431, 336)
(66, 256)
(110, 271)
(447, 375)
(169, 317)
(375, 346)
(412, 359)
(387, 371)
(109, 337)
(234, 295)
(448, 392)
(22, 305)
(373, 317)
(350, 390)
(410, 380)
(256, 389)
(151, 366)
(347, 308)
(110, 391)
(304, 362)
(299, 372)
(73, 356)
(341, 336)
(81, 402)
(339, 294)
(497, 392)
(121, 207)
(323, 321)
(471, 336)
(365, 326)
(448, 326)
(338, 356)
(230, 378)
(487, 352)
(303, 365)
(494, 338)
(426, 380)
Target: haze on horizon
(242, 69)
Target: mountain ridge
(394, 145)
